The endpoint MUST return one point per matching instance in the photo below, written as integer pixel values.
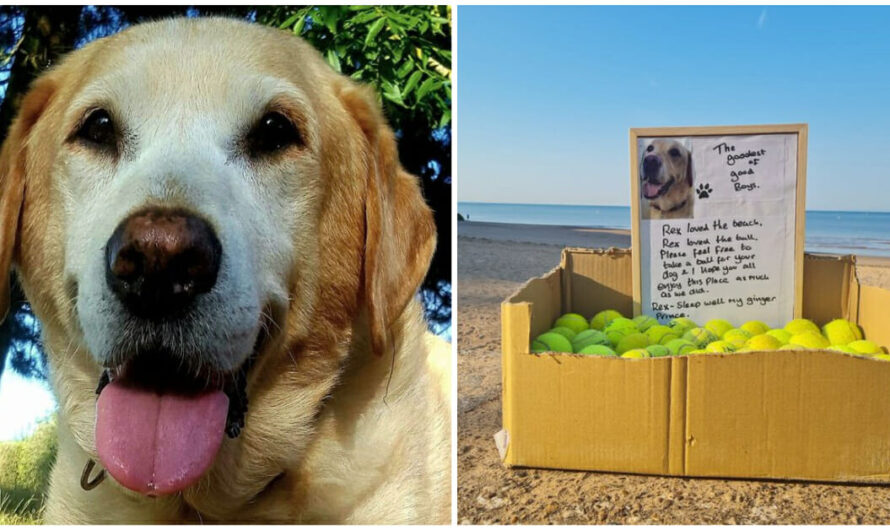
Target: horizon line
(628, 206)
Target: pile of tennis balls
(609, 333)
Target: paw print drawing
(704, 191)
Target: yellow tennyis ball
(636, 354)
(659, 334)
(701, 337)
(754, 327)
(812, 340)
(718, 326)
(737, 337)
(762, 342)
(865, 346)
(603, 319)
(573, 321)
(801, 325)
(721, 346)
(780, 335)
(644, 322)
(632, 341)
(840, 331)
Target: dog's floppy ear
(400, 235)
(13, 158)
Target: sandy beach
(494, 259)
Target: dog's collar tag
(85, 482)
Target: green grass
(24, 475)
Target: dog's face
(665, 173)
(207, 211)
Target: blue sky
(23, 403)
(546, 95)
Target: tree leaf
(412, 81)
(290, 20)
(298, 27)
(425, 88)
(333, 60)
(374, 30)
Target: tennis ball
(632, 341)
(865, 346)
(618, 329)
(659, 334)
(681, 325)
(881, 356)
(603, 318)
(597, 349)
(564, 331)
(588, 337)
(718, 326)
(680, 346)
(555, 342)
(843, 348)
(794, 347)
(780, 335)
(644, 322)
(701, 337)
(800, 325)
(638, 353)
(720, 346)
(812, 340)
(657, 350)
(539, 347)
(697, 352)
(840, 331)
(737, 337)
(762, 342)
(754, 327)
(573, 321)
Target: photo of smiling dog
(223, 250)
(666, 177)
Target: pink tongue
(158, 444)
(650, 190)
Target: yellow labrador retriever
(666, 180)
(216, 234)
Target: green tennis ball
(659, 334)
(701, 337)
(865, 346)
(621, 323)
(564, 331)
(812, 340)
(573, 321)
(555, 342)
(682, 324)
(881, 356)
(644, 322)
(657, 350)
(762, 342)
(801, 325)
(638, 353)
(754, 327)
(680, 346)
(718, 326)
(698, 352)
(632, 341)
(720, 346)
(603, 318)
(539, 347)
(737, 337)
(780, 335)
(840, 331)
(843, 348)
(587, 338)
(597, 349)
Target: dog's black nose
(158, 260)
(651, 164)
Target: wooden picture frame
(798, 129)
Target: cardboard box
(811, 415)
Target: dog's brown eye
(272, 133)
(650, 148)
(98, 129)
(674, 152)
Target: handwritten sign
(718, 222)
